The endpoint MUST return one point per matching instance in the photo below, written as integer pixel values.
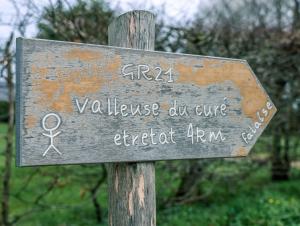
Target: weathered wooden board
(80, 103)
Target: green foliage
(87, 22)
(3, 111)
(261, 208)
(3, 129)
(252, 201)
(69, 202)
(84, 21)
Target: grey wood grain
(55, 77)
(131, 186)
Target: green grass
(3, 128)
(233, 199)
(253, 201)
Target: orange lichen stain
(30, 121)
(164, 64)
(165, 106)
(57, 94)
(40, 71)
(241, 152)
(113, 67)
(215, 71)
(82, 54)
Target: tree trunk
(296, 15)
(9, 136)
(280, 160)
(189, 181)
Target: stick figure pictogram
(50, 130)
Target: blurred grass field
(251, 200)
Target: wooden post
(131, 186)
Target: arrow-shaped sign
(80, 103)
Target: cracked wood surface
(58, 77)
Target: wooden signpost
(80, 103)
